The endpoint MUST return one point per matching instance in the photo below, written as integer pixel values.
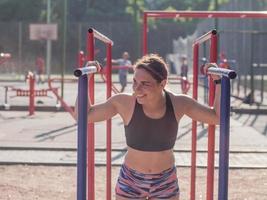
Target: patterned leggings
(135, 185)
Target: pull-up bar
(206, 14)
(156, 14)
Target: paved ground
(49, 138)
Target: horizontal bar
(205, 37)
(206, 14)
(85, 70)
(231, 74)
(100, 36)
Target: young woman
(151, 116)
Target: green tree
(18, 10)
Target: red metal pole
(211, 128)
(144, 34)
(108, 125)
(91, 131)
(194, 124)
(31, 95)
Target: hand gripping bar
(89, 68)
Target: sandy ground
(22, 182)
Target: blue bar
(82, 139)
(224, 139)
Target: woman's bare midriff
(149, 162)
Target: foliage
(18, 10)
(82, 10)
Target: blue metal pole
(224, 139)
(82, 139)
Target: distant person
(123, 62)
(184, 67)
(40, 69)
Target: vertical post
(6, 90)
(82, 137)
(91, 131)
(194, 124)
(144, 34)
(20, 48)
(64, 47)
(48, 42)
(31, 91)
(251, 99)
(108, 125)
(211, 128)
(224, 139)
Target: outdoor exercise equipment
(31, 92)
(86, 151)
(211, 37)
(198, 14)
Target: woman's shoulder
(123, 99)
(177, 96)
(125, 105)
(179, 99)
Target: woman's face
(145, 87)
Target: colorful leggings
(135, 185)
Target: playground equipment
(31, 93)
(85, 145)
(224, 130)
(224, 124)
(66, 107)
(198, 14)
(211, 129)
(249, 98)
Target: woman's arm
(200, 112)
(204, 113)
(100, 111)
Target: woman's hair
(154, 65)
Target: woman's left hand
(213, 76)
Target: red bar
(145, 34)
(92, 34)
(62, 102)
(194, 124)
(205, 37)
(91, 131)
(211, 128)
(206, 14)
(108, 125)
(31, 96)
(196, 14)
(100, 36)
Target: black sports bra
(147, 134)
